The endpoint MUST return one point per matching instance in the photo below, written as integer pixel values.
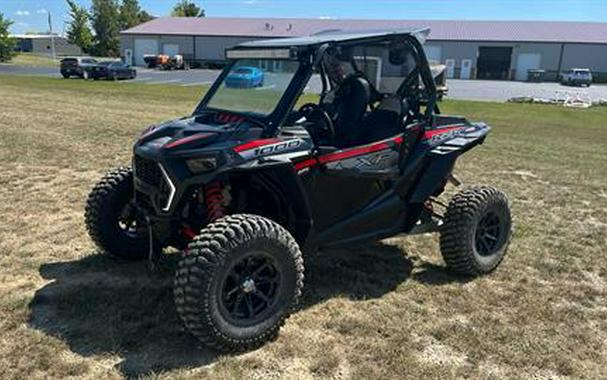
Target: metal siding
(458, 51)
(39, 45)
(62, 46)
(593, 57)
(213, 48)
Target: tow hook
(454, 180)
(152, 256)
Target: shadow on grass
(102, 306)
(432, 274)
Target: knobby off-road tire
(104, 213)
(476, 231)
(216, 272)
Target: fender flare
(293, 191)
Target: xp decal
(345, 154)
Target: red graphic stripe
(188, 139)
(306, 163)
(434, 132)
(349, 153)
(255, 144)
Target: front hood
(188, 134)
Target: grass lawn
(33, 60)
(386, 310)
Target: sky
(32, 15)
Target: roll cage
(309, 52)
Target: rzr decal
(435, 136)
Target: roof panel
(517, 31)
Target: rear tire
(475, 235)
(239, 281)
(110, 222)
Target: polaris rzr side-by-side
(251, 181)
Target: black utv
(251, 181)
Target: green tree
(145, 16)
(187, 8)
(7, 44)
(79, 32)
(129, 14)
(106, 24)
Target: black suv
(250, 182)
(76, 66)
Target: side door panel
(343, 182)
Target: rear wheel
(240, 279)
(475, 236)
(65, 76)
(111, 220)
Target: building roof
(516, 31)
(335, 36)
(35, 36)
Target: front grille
(147, 171)
(159, 189)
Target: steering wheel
(315, 115)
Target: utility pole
(50, 27)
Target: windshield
(254, 86)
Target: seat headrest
(358, 83)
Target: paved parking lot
(499, 91)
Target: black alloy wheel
(250, 289)
(488, 234)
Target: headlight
(202, 164)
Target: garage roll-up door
(143, 47)
(526, 62)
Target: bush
(7, 44)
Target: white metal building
(43, 44)
(470, 49)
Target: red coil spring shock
(213, 196)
